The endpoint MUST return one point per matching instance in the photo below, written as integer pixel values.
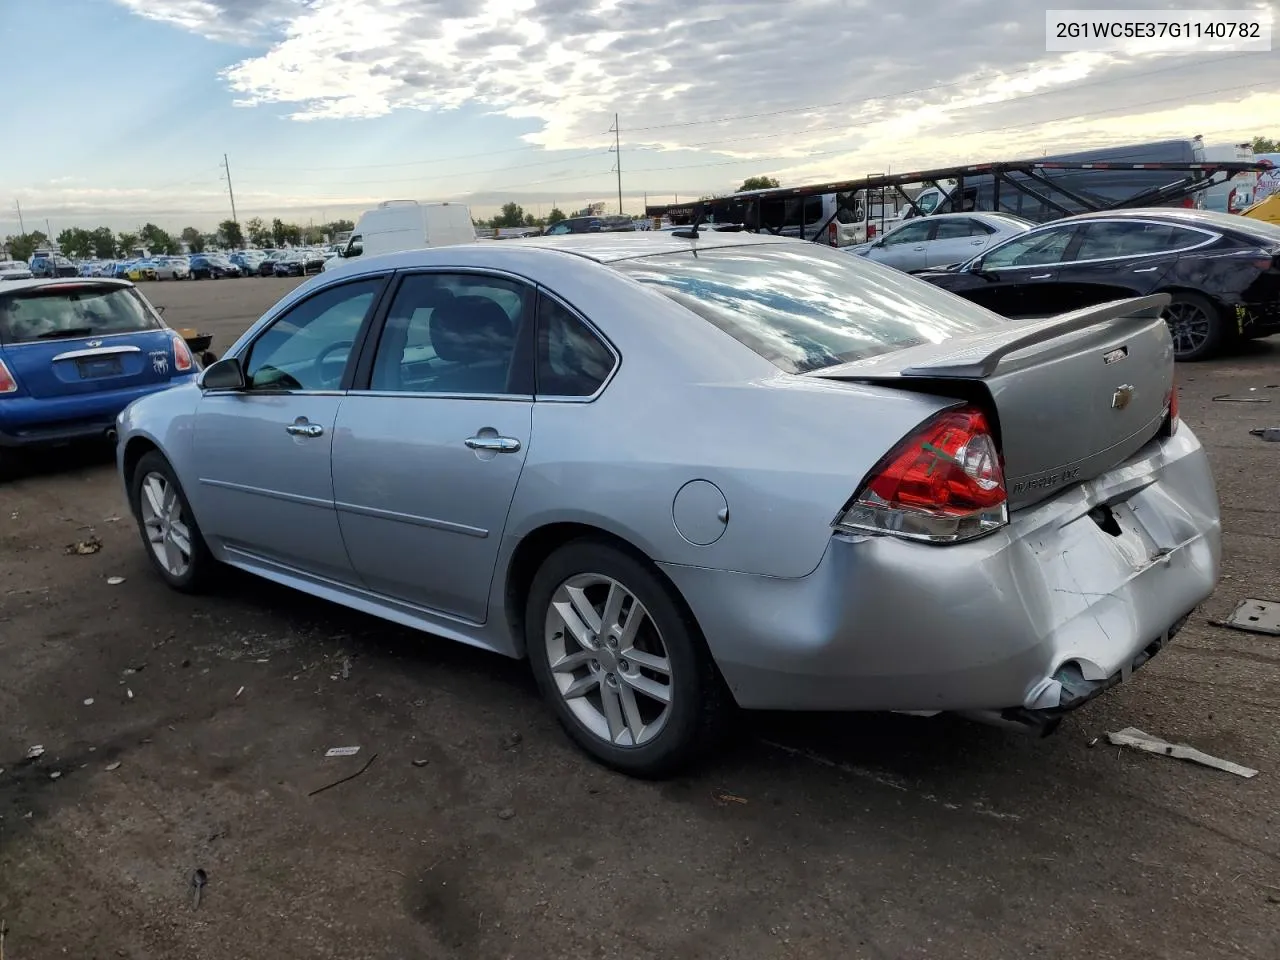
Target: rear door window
(804, 309)
(1114, 238)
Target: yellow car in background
(142, 270)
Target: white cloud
(803, 88)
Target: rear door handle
(921, 247)
(1147, 270)
(500, 444)
(977, 243)
(1041, 276)
(302, 428)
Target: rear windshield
(804, 307)
(54, 313)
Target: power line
(442, 176)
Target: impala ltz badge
(1111, 356)
(1120, 399)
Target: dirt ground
(190, 733)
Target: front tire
(169, 531)
(1198, 327)
(621, 662)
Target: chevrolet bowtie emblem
(1120, 399)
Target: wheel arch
(540, 543)
(134, 450)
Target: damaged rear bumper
(1021, 626)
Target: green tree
(104, 243)
(758, 183)
(194, 239)
(259, 235)
(277, 232)
(75, 242)
(157, 240)
(335, 227)
(556, 215)
(126, 242)
(512, 215)
(24, 245)
(313, 234)
(530, 220)
(1265, 145)
(231, 234)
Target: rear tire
(639, 691)
(1199, 328)
(168, 528)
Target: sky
(322, 108)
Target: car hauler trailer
(1038, 182)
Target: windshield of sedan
(72, 310)
(803, 307)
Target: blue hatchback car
(76, 352)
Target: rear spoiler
(978, 357)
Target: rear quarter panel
(689, 402)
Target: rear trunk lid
(1072, 395)
(83, 337)
(60, 368)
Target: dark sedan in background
(209, 266)
(1223, 272)
(299, 263)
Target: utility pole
(617, 149)
(22, 227)
(230, 192)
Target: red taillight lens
(1189, 203)
(182, 361)
(942, 484)
(1171, 425)
(7, 383)
(871, 231)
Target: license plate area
(93, 368)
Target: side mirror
(225, 374)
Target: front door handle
(500, 444)
(1041, 276)
(977, 243)
(1147, 270)
(302, 428)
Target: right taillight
(943, 484)
(1171, 411)
(8, 384)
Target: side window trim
(595, 331)
(525, 349)
(1207, 235)
(362, 333)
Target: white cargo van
(395, 225)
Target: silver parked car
(940, 240)
(681, 475)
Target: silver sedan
(683, 475)
(924, 243)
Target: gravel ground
(190, 733)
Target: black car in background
(51, 265)
(212, 266)
(299, 263)
(267, 266)
(1222, 271)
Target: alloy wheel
(1189, 326)
(608, 660)
(166, 529)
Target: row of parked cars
(294, 262)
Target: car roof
(11, 286)
(611, 247)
